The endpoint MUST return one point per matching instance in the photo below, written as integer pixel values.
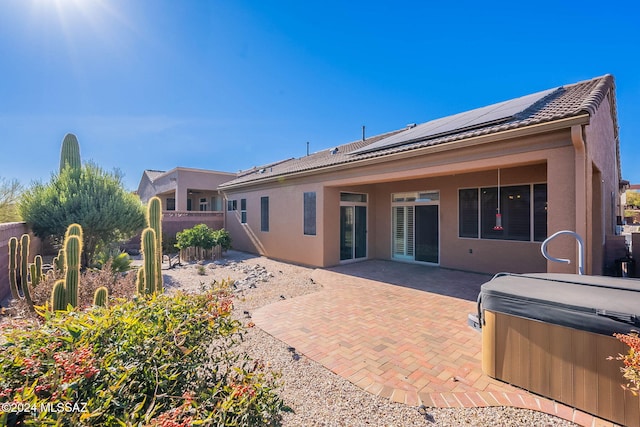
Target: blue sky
(227, 85)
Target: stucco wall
(473, 254)
(542, 158)
(602, 152)
(285, 239)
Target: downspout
(577, 138)
(224, 209)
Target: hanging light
(498, 226)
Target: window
(216, 203)
(232, 205)
(171, 204)
(523, 209)
(243, 211)
(203, 203)
(539, 212)
(353, 197)
(468, 212)
(264, 214)
(188, 204)
(310, 213)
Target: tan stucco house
(189, 196)
(429, 193)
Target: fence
(7, 231)
(193, 253)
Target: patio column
(181, 197)
(561, 208)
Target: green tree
(633, 198)
(88, 196)
(9, 193)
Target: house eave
(535, 129)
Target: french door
(353, 226)
(416, 227)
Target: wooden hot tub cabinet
(552, 334)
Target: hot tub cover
(603, 305)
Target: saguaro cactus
(150, 260)
(72, 273)
(70, 152)
(154, 221)
(74, 230)
(36, 271)
(58, 262)
(58, 299)
(100, 297)
(140, 281)
(13, 265)
(25, 241)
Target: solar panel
(492, 114)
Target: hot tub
(552, 333)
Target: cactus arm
(58, 299)
(25, 241)
(140, 281)
(37, 278)
(75, 230)
(13, 265)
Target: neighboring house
(429, 193)
(189, 196)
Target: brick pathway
(409, 343)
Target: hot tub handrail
(545, 253)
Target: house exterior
(189, 197)
(430, 193)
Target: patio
(399, 337)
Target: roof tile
(569, 101)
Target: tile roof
(152, 174)
(565, 102)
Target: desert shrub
(201, 270)
(201, 236)
(120, 261)
(631, 360)
(223, 238)
(141, 362)
(119, 285)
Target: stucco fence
(7, 231)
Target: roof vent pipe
(363, 138)
(307, 148)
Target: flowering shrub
(631, 360)
(163, 361)
(119, 285)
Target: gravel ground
(317, 396)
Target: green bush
(201, 236)
(223, 239)
(141, 362)
(120, 262)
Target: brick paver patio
(400, 331)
